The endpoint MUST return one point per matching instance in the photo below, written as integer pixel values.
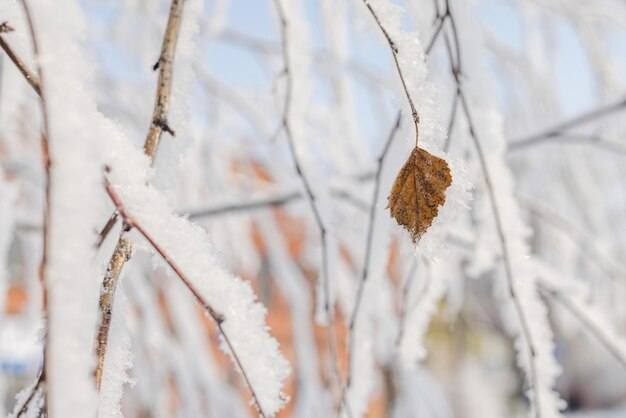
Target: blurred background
(546, 83)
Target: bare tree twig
(47, 163)
(524, 325)
(159, 124)
(30, 77)
(217, 317)
(369, 240)
(578, 235)
(451, 120)
(286, 125)
(271, 201)
(404, 306)
(121, 255)
(572, 139)
(564, 126)
(366, 260)
(395, 51)
(32, 395)
(106, 230)
(165, 64)
(455, 67)
(604, 339)
(248, 205)
(264, 47)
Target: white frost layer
(421, 305)
(573, 295)
(192, 250)
(539, 364)
(71, 274)
(8, 195)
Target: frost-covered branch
(123, 248)
(582, 238)
(506, 257)
(596, 141)
(47, 164)
(37, 390)
(30, 77)
(369, 240)
(217, 317)
(311, 198)
(247, 205)
(561, 128)
(520, 303)
(594, 325)
(572, 298)
(394, 51)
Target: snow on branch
(534, 341)
(571, 295)
(228, 300)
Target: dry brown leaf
(418, 191)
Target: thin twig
(455, 67)
(564, 126)
(217, 317)
(604, 339)
(31, 396)
(441, 21)
(369, 240)
(106, 230)
(321, 57)
(395, 51)
(404, 304)
(271, 201)
(159, 125)
(572, 139)
(451, 120)
(166, 68)
(366, 260)
(30, 77)
(580, 236)
(510, 281)
(47, 164)
(286, 125)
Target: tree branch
(165, 65)
(395, 51)
(30, 77)
(47, 164)
(562, 127)
(369, 240)
(33, 394)
(455, 68)
(217, 317)
(157, 127)
(603, 338)
(286, 124)
(252, 204)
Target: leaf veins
(418, 191)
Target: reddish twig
(31, 396)
(30, 77)
(47, 164)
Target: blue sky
(239, 67)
